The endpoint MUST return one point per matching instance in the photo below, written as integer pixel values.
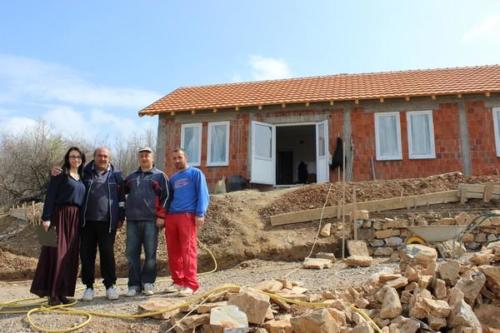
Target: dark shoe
(53, 301)
(64, 300)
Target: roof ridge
(337, 75)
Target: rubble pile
(385, 235)
(424, 295)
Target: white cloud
(266, 68)
(69, 122)
(486, 30)
(16, 125)
(31, 90)
(22, 77)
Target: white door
(322, 154)
(263, 168)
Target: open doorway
(295, 154)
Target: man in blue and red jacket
(187, 209)
(145, 208)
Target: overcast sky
(87, 67)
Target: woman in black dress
(57, 268)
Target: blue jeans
(141, 234)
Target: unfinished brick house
(391, 124)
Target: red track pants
(180, 233)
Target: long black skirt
(57, 268)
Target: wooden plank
(377, 205)
(479, 188)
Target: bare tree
(125, 150)
(26, 159)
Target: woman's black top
(63, 190)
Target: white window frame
(496, 115)
(399, 155)
(432, 153)
(191, 159)
(209, 143)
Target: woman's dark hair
(67, 166)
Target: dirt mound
(14, 267)
(237, 227)
(313, 196)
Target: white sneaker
(185, 292)
(132, 291)
(88, 295)
(148, 289)
(112, 293)
(173, 288)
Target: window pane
(263, 141)
(388, 136)
(420, 134)
(321, 139)
(498, 121)
(218, 144)
(191, 141)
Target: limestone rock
(449, 271)
(354, 261)
(418, 307)
(384, 277)
(383, 252)
(393, 241)
(318, 321)
(386, 233)
(420, 254)
(339, 316)
(189, 324)
(437, 308)
(409, 325)
(363, 327)
(470, 283)
(397, 283)
(316, 263)
(228, 316)
(253, 303)
(377, 242)
(462, 315)
(492, 274)
(357, 248)
(207, 307)
(159, 304)
(436, 323)
(440, 290)
(391, 305)
(279, 326)
(271, 286)
(488, 315)
(326, 230)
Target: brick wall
(482, 139)
(447, 147)
(446, 136)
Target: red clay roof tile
(339, 87)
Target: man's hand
(160, 223)
(55, 171)
(119, 224)
(46, 225)
(200, 220)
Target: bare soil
(248, 250)
(238, 227)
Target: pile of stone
(424, 295)
(385, 236)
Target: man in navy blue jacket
(145, 208)
(103, 212)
